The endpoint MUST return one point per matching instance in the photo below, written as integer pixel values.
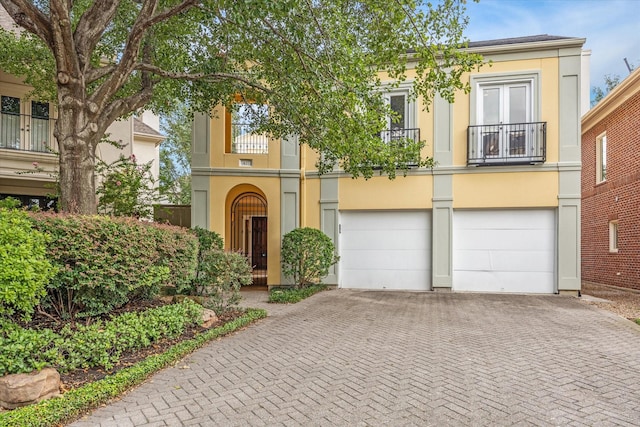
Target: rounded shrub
(24, 269)
(307, 254)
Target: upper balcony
(507, 144)
(24, 132)
(401, 136)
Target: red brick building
(611, 187)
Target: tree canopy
(314, 62)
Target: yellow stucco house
(500, 212)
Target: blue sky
(611, 27)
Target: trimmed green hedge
(106, 261)
(74, 403)
(24, 268)
(98, 344)
(293, 295)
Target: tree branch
(212, 77)
(94, 74)
(91, 26)
(29, 17)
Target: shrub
(207, 240)
(178, 250)
(127, 188)
(97, 345)
(53, 412)
(220, 276)
(307, 254)
(24, 269)
(292, 296)
(106, 261)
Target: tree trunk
(77, 164)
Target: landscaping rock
(18, 390)
(209, 317)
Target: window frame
(614, 236)
(601, 158)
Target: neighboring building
(611, 187)
(26, 140)
(499, 213)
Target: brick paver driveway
(350, 358)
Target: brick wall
(617, 198)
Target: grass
(293, 295)
(76, 402)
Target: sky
(611, 27)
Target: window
(503, 129)
(401, 123)
(40, 131)
(601, 158)
(9, 122)
(242, 123)
(613, 236)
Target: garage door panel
(388, 240)
(390, 279)
(506, 219)
(385, 250)
(502, 239)
(504, 251)
(377, 259)
(491, 281)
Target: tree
(610, 81)
(313, 62)
(175, 155)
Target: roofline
(613, 100)
(569, 42)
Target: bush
(97, 345)
(178, 250)
(73, 403)
(292, 296)
(207, 240)
(220, 276)
(307, 254)
(24, 269)
(104, 262)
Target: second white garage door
(385, 250)
(504, 251)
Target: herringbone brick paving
(358, 358)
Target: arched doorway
(249, 232)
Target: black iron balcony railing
(27, 133)
(507, 144)
(401, 136)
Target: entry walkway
(357, 358)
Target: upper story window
(242, 136)
(23, 129)
(401, 123)
(504, 128)
(9, 122)
(40, 129)
(601, 158)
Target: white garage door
(385, 250)
(504, 251)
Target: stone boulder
(24, 389)
(209, 317)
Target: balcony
(399, 137)
(23, 132)
(507, 144)
(246, 141)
